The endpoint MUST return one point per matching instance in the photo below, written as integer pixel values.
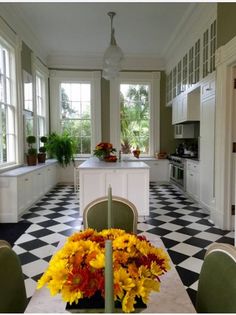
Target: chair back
(12, 288)
(124, 212)
(217, 282)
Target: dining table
(172, 297)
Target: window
(28, 106)
(7, 106)
(134, 114)
(76, 108)
(75, 102)
(40, 106)
(134, 117)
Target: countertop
(27, 169)
(95, 163)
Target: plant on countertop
(42, 150)
(76, 271)
(32, 152)
(62, 147)
(104, 151)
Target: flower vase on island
(105, 152)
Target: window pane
(134, 117)
(28, 97)
(41, 126)
(11, 148)
(1, 89)
(8, 91)
(10, 120)
(76, 113)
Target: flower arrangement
(104, 151)
(77, 270)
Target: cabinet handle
(39, 173)
(208, 89)
(26, 179)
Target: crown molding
(194, 26)
(91, 62)
(14, 18)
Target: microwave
(184, 131)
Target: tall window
(134, 117)
(7, 107)
(135, 112)
(76, 107)
(40, 106)
(76, 113)
(28, 107)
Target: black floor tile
(188, 277)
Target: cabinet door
(25, 190)
(207, 148)
(175, 111)
(38, 183)
(118, 182)
(138, 191)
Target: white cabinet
(159, 170)
(207, 143)
(21, 187)
(186, 107)
(129, 180)
(192, 179)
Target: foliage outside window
(134, 117)
(75, 99)
(7, 107)
(41, 107)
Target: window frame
(94, 78)
(148, 78)
(10, 41)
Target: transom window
(7, 107)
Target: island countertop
(95, 163)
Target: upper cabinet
(195, 65)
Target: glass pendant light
(112, 56)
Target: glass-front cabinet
(195, 65)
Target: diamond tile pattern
(180, 222)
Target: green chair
(125, 214)
(12, 288)
(217, 281)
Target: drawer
(208, 88)
(192, 167)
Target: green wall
(167, 141)
(26, 58)
(226, 22)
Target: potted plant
(32, 152)
(62, 147)
(42, 150)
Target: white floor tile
(190, 218)
(176, 236)
(192, 263)
(185, 249)
(170, 226)
(18, 250)
(197, 226)
(44, 251)
(194, 286)
(34, 268)
(33, 228)
(53, 238)
(30, 286)
(165, 218)
(209, 236)
(24, 238)
(38, 219)
(59, 227)
(145, 226)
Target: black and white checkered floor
(181, 224)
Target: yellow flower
(98, 262)
(137, 266)
(128, 302)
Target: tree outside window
(134, 117)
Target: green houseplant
(32, 152)
(62, 147)
(42, 150)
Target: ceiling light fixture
(113, 55)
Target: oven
(177, 173)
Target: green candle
(109, 290)
(109, 210)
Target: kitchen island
(128, 179)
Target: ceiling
(79, 29)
